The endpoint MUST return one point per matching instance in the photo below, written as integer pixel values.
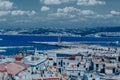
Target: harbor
(12, 43)
(75, 62)
(59, 40)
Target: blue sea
(12, 43)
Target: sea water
(13, 43)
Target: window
(64, 63)
(59, 63)
(97, 65)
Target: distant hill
(57, 31)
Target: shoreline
(57, 35)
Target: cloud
(113, 12)
(6, 8)
(100, 16)
(5, 5)
(21, 12)
(45, 8)
(4, 13)
(49, 2)
(54, 2)
(86, 12)
(68, 10)
(17, 13)
(65, 12)
(72, 12)
(90, 2)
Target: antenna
(35, 51)
(59, 39)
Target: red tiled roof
(47, 79)
(12, 68)
(2, 68)
(110, 67)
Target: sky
(59, 13)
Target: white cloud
(109, 15)
(49, 2)
(76, 13)
(4, 13)
(68, 10)
(72, 12)
(6, 8)
(5, 5)
(17, 13)
(90, 2)
(54, 2)
(113, 12)
(33, 12)
(45, 8)
(100, 16)
(87, 12)
(21, 12)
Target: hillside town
(80, 62)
